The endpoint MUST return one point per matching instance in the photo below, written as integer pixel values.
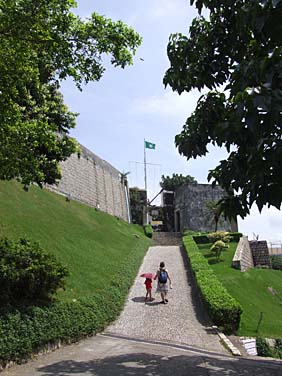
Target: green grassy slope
(99, 250)
(262, 311)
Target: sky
(129, 105)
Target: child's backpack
(162, 276)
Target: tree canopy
(171, 183)
(237, 54)
(41, 43)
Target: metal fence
(275, 248)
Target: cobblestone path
(183, 320)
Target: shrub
(193, 233)
(235, 236)
(263, 347)
(201, 239)
(27, 330)
(278, 348)
(218, 247)
(276, 262)
(27, 272)
(148, 230)
(219, 235)
(278, 344)
(223, 309)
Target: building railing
(275, 248)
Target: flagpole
(145, 178)
(145, 169)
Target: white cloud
(169, 8)
(268, 224)
(168, 104)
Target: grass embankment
(262, 311)
(102, 253)
(96, 247)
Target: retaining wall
(243, 258)
(93, 181)
(260, 253)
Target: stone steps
(167, 238)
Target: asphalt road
(110, 356)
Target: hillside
(252, 289)
(99, 250)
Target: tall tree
(237, 54)
(214, 210)
(41, 43)
(171, 183)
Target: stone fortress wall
(191, 211)
(94, 182)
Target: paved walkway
(190, 347)
(104, 356)
(182, 320)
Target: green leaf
(42, 43)
(239, 48)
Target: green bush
(27, 272)
(218, 247)
(148, 230)
(278, 348)
(219, 235)
(223, 309)
(263, 348)
(25, 331)
(235, 236)
(193, 233)
(276, 262)
(278, 344)
(201, 239)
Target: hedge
(27, 330)
(264, 348)
(223, 309)
(148, 230)
(203, 238)
(235, 236)
(276, 262)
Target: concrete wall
(260, 253)
(250, 254)
(93, 181)
(243, 258)
(191, 211)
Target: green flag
(150, 145)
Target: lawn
(102, 253)
(262, 311)
(98, 249)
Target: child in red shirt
(148, 284)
